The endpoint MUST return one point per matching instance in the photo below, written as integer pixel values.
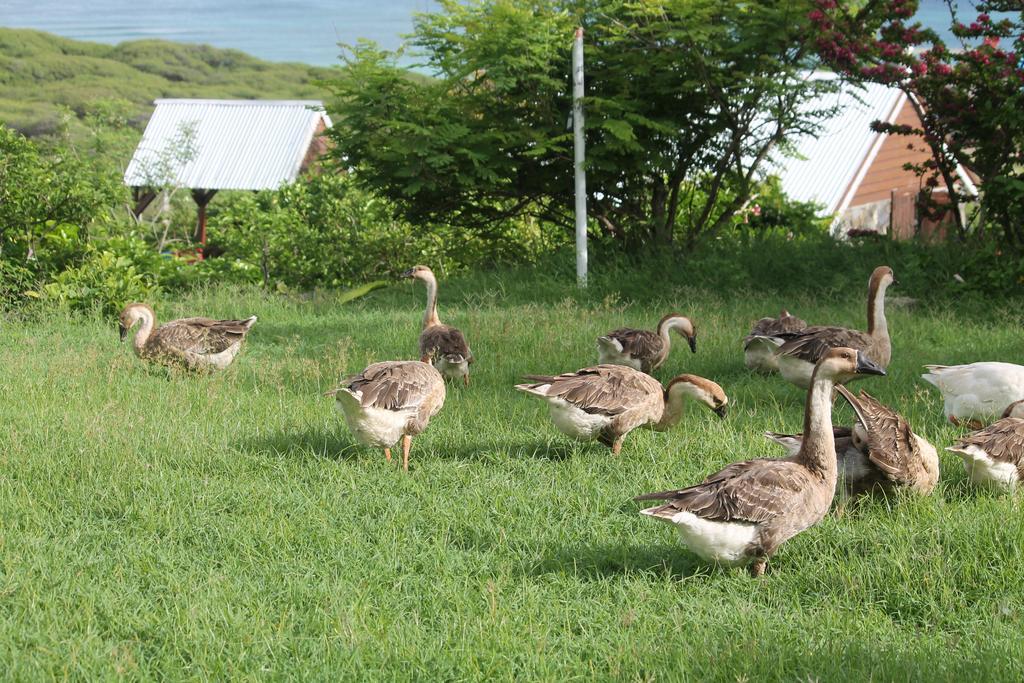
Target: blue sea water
(302, 31)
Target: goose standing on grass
(607, 402)
(192, 343)
(880, 452)
(441, 345)
(977, 393)
(743, 513)
(644, 350)
(766, 337)
(389, 401)
(797, 356)
(994, 456)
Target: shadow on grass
(595, 562)
(309, 443)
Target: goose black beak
(693, 343)
(866, 366)
(407, 273)
(722, 410)
(122, 331)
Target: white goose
(977, 393)
(994, 456)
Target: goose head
(132, 314)
(842, 364)
(419, 273)
(700, 390)
(1015, 409)
(881, 278)
(683, 326)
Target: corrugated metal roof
(824, 167)
(238, 144)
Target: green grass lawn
(162, 525)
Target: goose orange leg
(406, 445)
(465, 379)
(387, 454)
(616, 446)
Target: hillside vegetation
(40, 74)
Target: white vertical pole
(579, 153)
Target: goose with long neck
(642, 349)
(797, 356)
(743, 513)
(443, 346)
(606, 402)
(192, 343)
(878, 453)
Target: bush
(104, 280)
(323, 231)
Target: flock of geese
(739, 515)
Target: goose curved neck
(877, 325)
(675, 397)
(818, 450)
(430, 318)
(147, 321)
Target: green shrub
(104, 280)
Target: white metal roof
(235, 144)
(825, 167)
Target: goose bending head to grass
(767, 335)
(976, 394)
(743, 513)
(607, 402)
(879, 453)
(389, 401)
(644, 350)
(441, 345)
(797, 356)
(191, 343)
(994, 456)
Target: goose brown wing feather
(602, 389)
(1003, 441)
(394, 385)
(753, 491)
(783, 326)
(444, 340)
(891, 443)
(813, 342)
(200, 335)
(642, 344)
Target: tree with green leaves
(686, 101)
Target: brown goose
(192, 343)
(642, 349)
(607, 402)
(767, 335)
(441, 345)
(797, 356)
(747, 510)
(389, 401)
(994, 456)
(879, 452)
